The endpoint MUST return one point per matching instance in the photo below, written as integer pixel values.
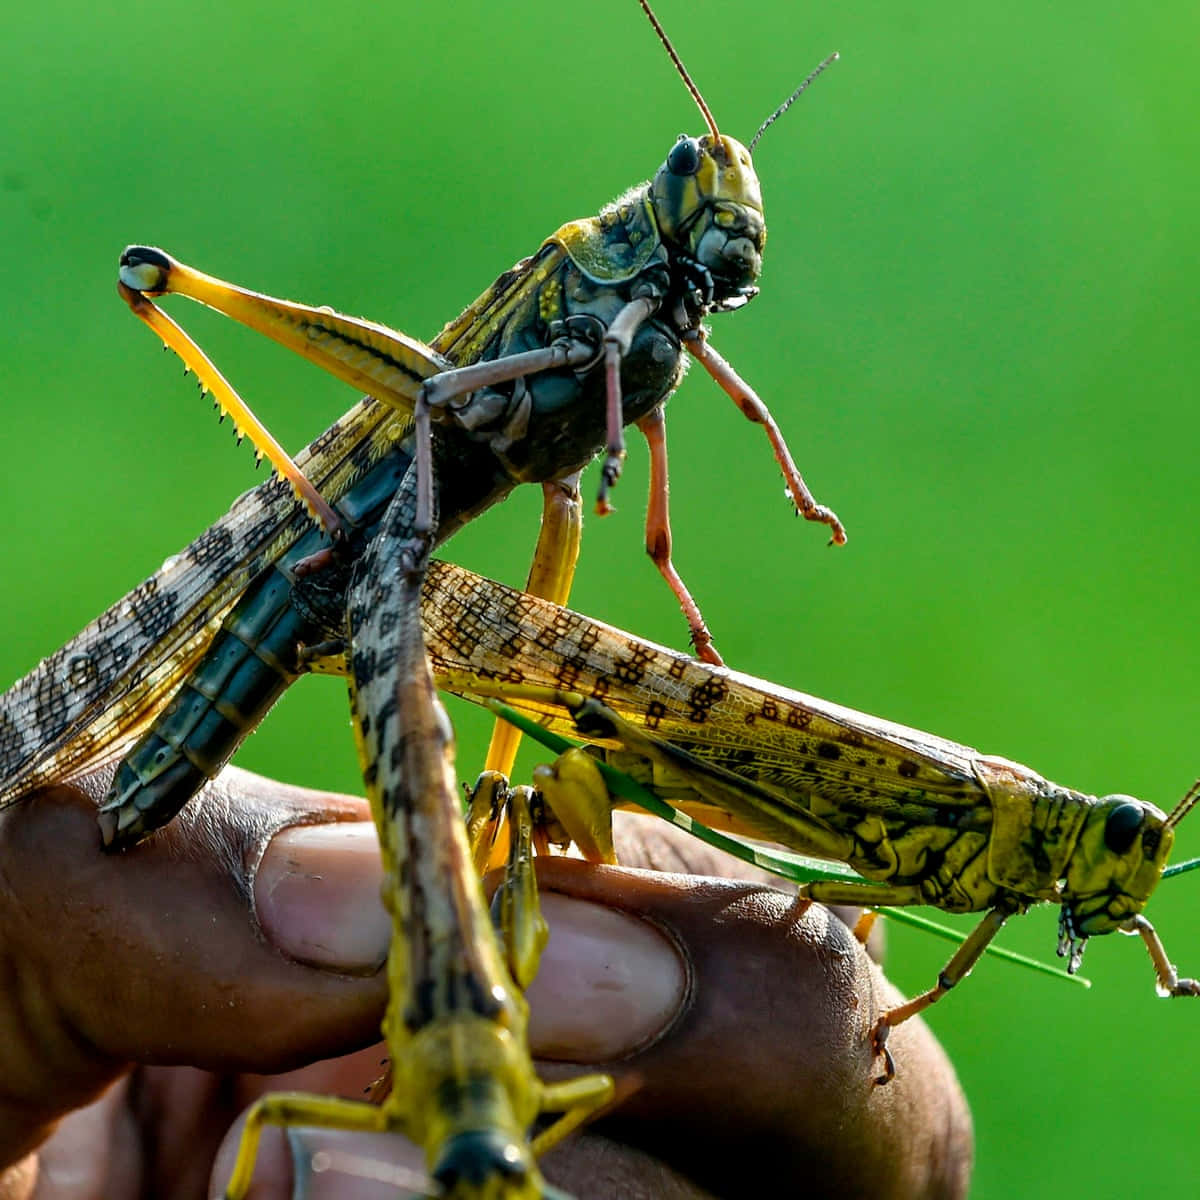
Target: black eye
(1122, 827)
(684, 158)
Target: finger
(767, 1065)
(93, 1153)
(158, 955)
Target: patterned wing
(86, 702)
(789, 742)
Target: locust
(534, 379)
(920, 819)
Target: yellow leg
(864, 925)
(579, 1100)
(245, 423)
(550, 575)
(575, 791)
(369, 357)
(297, 1108)
(485, 817)
(957, 969)
(516, 910)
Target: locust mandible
(533, 380)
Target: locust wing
(82, 706)
(803, 750)
(89, 700)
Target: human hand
(146, 987)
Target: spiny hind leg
(298, 1108)
(322, 336)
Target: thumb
(212, 944)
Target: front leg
(744, 396)
(617, 341)
(658, 534)
(954, 972)
(1166, 976)
(438, 394)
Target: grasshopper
(529, 383)
(922, 820)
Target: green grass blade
(795, 867)
(905, 917)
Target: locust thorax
(708, 204)
(1116, 864)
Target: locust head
(1116, 864)
(707, 199)
(708, 203)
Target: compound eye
(684, 158)
(1122, 827)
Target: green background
(977, 329)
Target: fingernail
(317, 896)
(336, 1164)
(608, 983)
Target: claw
(879, 1037)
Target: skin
(146, 995)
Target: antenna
(705, 111)
(791, 99)
(1185, 806)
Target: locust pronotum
(921, 819)
(533, 380)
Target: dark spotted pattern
(153, 608)
(12, 740)
(632, 670)
(898, 805)
(57, 722)
(213, 547)
(452, 964)
(797, 718)
(83, 673)
(705, 696)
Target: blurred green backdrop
(977, 328)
